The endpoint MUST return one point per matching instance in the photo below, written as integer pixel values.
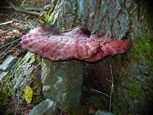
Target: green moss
(142, 50)
(134, 90)
(20, 71)
(32, 59)
(50, 17)
(32, 76)
(63, 25)
(53, 4)
(132, 7)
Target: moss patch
(134, 90)
(142, 50)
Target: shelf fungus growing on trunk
(76, 44)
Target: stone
(2, 75)
(62, 82)
(46, 107)
(28, 72)
(99, 112)
(8, 63)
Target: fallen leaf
(28, 94)
(91, 110)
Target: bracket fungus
(76, 44)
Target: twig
(6, 50)
(22, 10)
(100, 92)
(41, 14)
(33, 9)
(112, 87)
(22, 2)
(10, 43)
(5, 23)
(109, 80)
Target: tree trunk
(129, 20)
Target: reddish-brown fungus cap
(76, 44)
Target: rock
(46, 107)
(6, 66)
(2, 75)
(27, 70)
(8, 63)
(99, 112)
(62, 82)
(28, 73)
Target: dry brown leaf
(91, 110)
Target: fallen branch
(5, 23)
(17, 9)
(100, 92)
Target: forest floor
(13, 25)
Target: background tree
(129, 20)
(126, 79)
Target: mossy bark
(128, 20)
